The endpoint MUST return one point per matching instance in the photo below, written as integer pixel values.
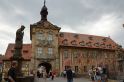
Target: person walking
(69, 74)
(44, 74)
(52, 76)
(12, 73)
(92, 74)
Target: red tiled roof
(83, 40)
(26, 51)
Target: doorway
(47, 65)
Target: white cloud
(66, 28)
(95, 17)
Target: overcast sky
(95, 17)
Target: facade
(57, 50)
(120, 61)
(81, 52)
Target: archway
(47, 65)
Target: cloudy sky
(95, 17)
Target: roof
(70, 40)
(84, 40)
(26, 51)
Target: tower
(44, 38)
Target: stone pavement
(60, 79)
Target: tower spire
(44, 2)
(44, 12)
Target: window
(82, 43)
(65, 42)
(89, 44)
(50, 51)
(75, 54)
(120, 66)
(76, 68)
(73, 42)
(40, 36)
(96, 44)
(66, 67)
(85, 68)
(50, 37)
(65, 53)
(39, 51)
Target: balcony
(46, 57)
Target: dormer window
(103, 45)
(104, 39)
(65, 42)
(73, 42)
(96, 44)
(82, 43)
(109, 46)
(89, 44)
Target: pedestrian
(38, 74)
(97, 75)
(69, 74)
(104, 74)
(92, 74)
(64, 73)
(12, 73)
(52, 76)
(44, 74)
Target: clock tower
(44, 40)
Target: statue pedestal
(25, 79)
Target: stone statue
(19, 43)
(19, 37)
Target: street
(60, 79)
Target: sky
(93, 17)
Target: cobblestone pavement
(59, 79)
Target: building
(1, 62)
(120, 63)
(26, 51)
(57, 50)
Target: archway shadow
(47, 65)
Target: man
(69, 74)
(12, 73)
